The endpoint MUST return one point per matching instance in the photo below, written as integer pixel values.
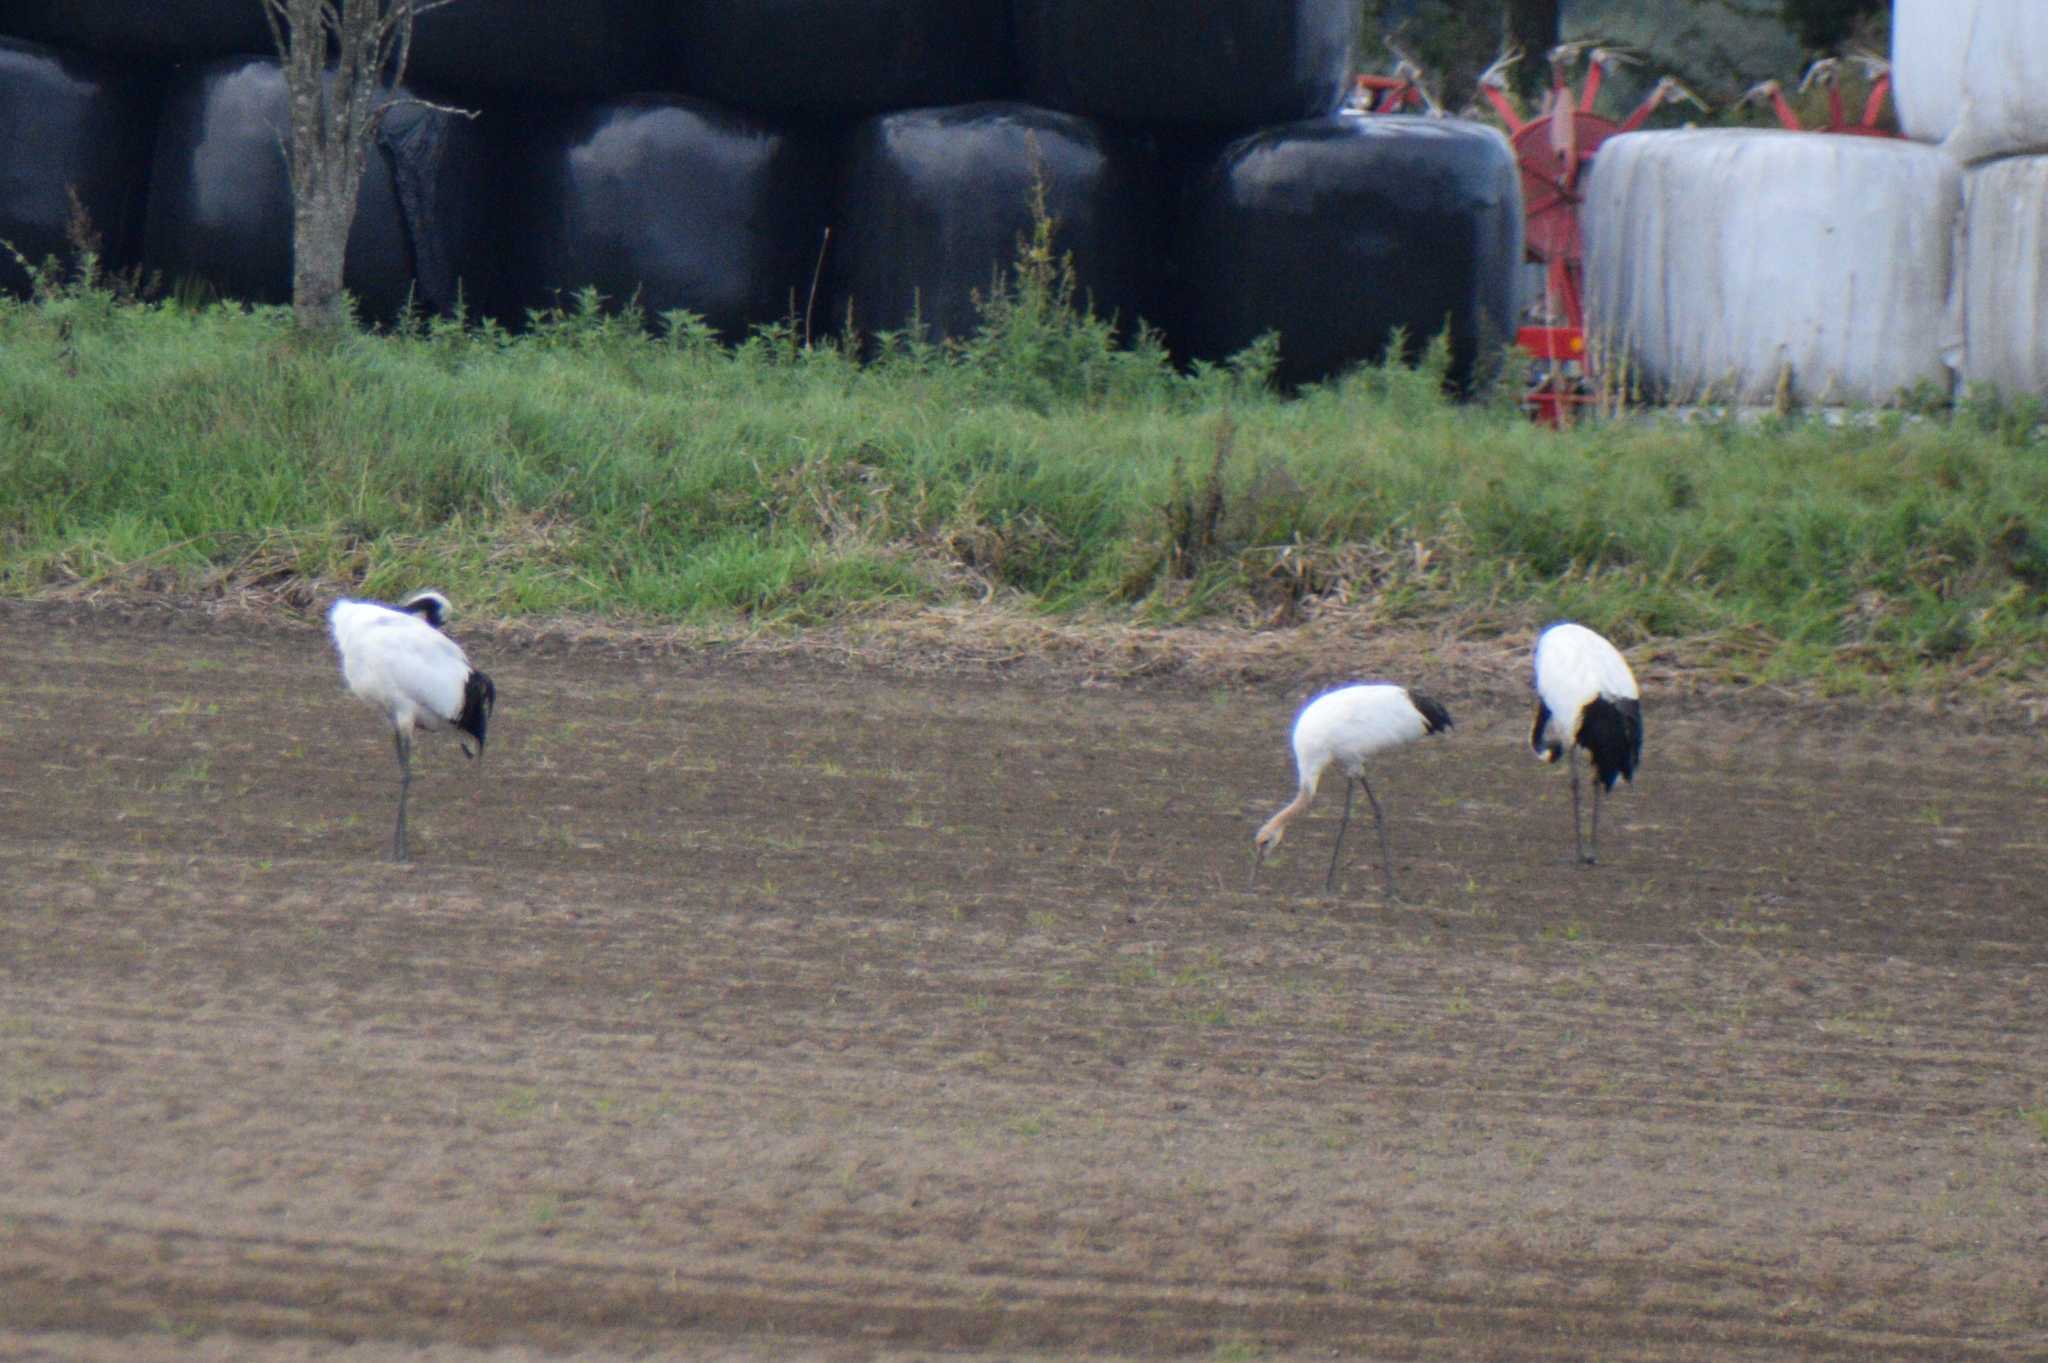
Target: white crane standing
(398, 660)
(1586, 698)
(1344, 727)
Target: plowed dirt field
(740, 1011)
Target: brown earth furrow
(788, 1012)
(1985, 1083)
(1914, 1090)
(254, 1286)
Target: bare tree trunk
(321, 221)
(334, 116)
(1532, 27)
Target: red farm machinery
(1554, 148)
(1827, 73)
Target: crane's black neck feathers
(1434, 717)
(1545, 747)
(431, 607)
(1611, 729)
(478, 698)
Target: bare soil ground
(754, 1011)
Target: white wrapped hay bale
(1972, 75)
(2004, 271)
(1741, 265)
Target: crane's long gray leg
(1330, 880)
(1386, 854)
(403, 742)
(1599, 788)
(1578, 847)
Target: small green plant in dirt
(459, 1262)
(1135, 970)
(195, 772)
(520, 1104)
(1205, 972)
(2038, 1117)
(1237, 1349)
(1751, 919)
(183, 1329)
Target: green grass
(586, 466)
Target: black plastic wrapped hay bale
(933, 204)
(70, 125)
(1230, 63)
(845, 56)
(597, 47)
(447, 174)
(674, 201)
(220, 205)
(152, 28)
(1334, 232)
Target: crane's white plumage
(1341, 729)
(399, 663)
(398, 660)
(1586, 697)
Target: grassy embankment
(586, 467)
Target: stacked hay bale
(934, 155)
(77, 142)
(433, 213)
(876, 161)
(211, 133)
(1748, 266)
(220, 206)
(673, 202)
(1755, 266)
(1281, 213)
(1967, 79)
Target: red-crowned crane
(398, 660)
(1586, 698)
(1344, 727)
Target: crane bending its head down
(1342, 728)
(1586, 698)
(398, 660)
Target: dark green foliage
(1824, 25)
(1452, 40)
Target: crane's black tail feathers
(1612, 730)
(478, 697)
(1434, 716)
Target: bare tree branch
(335, 108)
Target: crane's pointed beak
(1258, 860)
